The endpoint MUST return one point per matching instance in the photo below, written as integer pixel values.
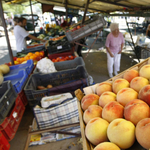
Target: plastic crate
(87, 29)
(66, 65)
(16, 68)
(23, 97)
(7, 99)
(63, 54)
(62, 82)
(14, 118)
(34, 49)
(59, 48)
(18, 80)
(145, 53)
(4, 145)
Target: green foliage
(14, 8)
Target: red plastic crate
(23, 98)
(53, 56)
(4, 145)
(14, 118)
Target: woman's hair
(21, 19)
(114, 26)
(16, 19)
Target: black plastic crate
(7, 99)
(53, 49)
(62, 82)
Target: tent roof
(102, 6)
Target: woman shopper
(114, 45)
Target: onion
(4, 69)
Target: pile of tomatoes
(59, 59)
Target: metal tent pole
(6, 33)
(66, 11)
(32, 16)
(86, 7)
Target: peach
(142, 132)
(144, 94)
(103, 87)
(136, 110)
(121, 132)
(106, 146)
(125, 95)
(112, 110)
(96, 130)
(145, 71)
(92, 112)
(107, 97)
(89, 99)
(138, 82)
(119, 84)
(130, 74)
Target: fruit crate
(16, 68)
(86, 30)
(7, 99)
(66, 65)
(23, 97)
(18, 80)
(86, 144)
(10, 125)
(4, 145)
(62, 82)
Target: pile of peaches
(118, 112)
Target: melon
(1, 78)
(4, 69)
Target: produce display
(45, 65)
(59, 59)
(117, 112)
(4, 69)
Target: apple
(142, 132)
(106, 146)
(130, 74)
(112, 110)
(103, 87)
(119, 84)
(89, 99)
(144, 94)
(96, 130)
(145, 71)
(106, 97)
(138, 82)
(121, 132)
(136, 110)
(92, 112)
(126, 95)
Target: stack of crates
(11, 112)
(4, 145)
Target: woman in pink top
(114, 45)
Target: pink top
(114, 43)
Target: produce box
(91, 89)
(60, 82)
(18, 80)
(11, 123)
(4, 145)
(16, 68)
(7, 99)
(66, 65)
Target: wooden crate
(86, 144)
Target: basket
(66, 65)
(86, 144)
(9, 129)
(7, 99)
(18, 80)
(4, 145)
(62, 82)
(16, 68)
(142, 53)
(86, 30)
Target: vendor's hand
(111, 55)
(119, 52)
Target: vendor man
(20, 35)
